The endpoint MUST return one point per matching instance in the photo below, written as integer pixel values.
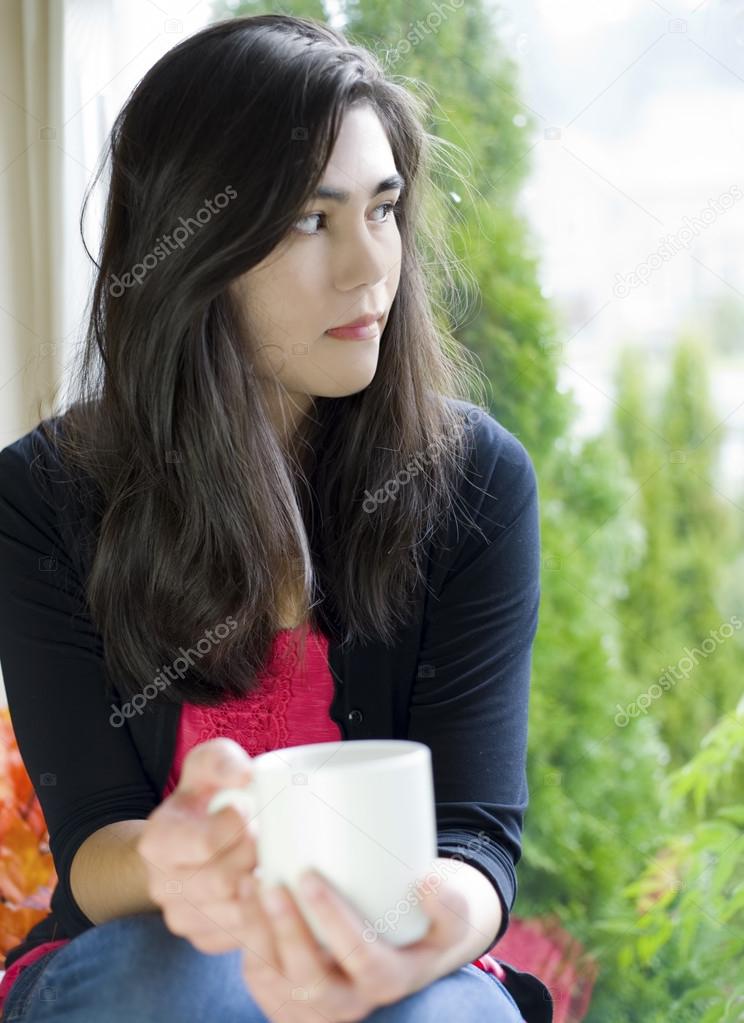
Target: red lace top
(291, 707)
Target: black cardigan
(457, 679)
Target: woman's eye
(389, 208)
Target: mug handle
(243, 799)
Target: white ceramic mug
(359, 812)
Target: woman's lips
(356, 333)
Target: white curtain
(30, 289)
(66, 68)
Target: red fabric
(491, 965)
(291, 707)
(544, 947)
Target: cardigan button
(356, 716)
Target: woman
(335, 545)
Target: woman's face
(340, 262)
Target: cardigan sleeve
(471, 692)
(85, 772)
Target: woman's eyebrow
(339, 195)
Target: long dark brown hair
(205, 518)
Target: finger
(179, 835)
(372, 965)
(218, 878)
(216, 763)
(301, 958)
(201, 925)
(216, 942)
(255, 930)
(181, 830)
(223, 926)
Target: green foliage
(633, 833)
(675, 608)
(692, 892)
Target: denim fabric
(134, 968)
(18, 997)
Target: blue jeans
(133, 968)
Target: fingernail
(274, 900)
(310, 886)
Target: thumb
(212, 765)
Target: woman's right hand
(196, 860)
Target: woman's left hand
(295, 976)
